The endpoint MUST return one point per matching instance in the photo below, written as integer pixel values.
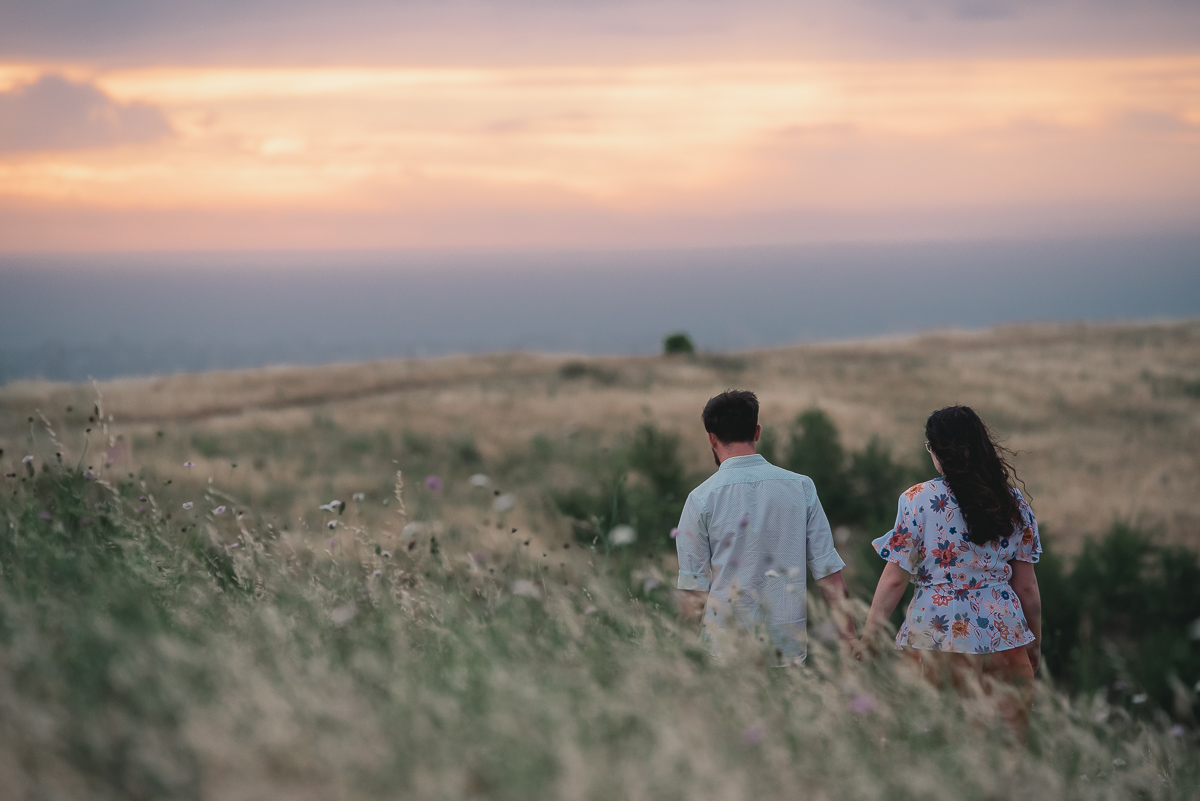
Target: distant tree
(678, 342)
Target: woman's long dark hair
(977, 472)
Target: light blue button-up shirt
(748, 535)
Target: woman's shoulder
(926, 489)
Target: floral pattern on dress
(963, 600)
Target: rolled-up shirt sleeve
(823, 558)
(692, 545)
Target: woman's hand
(1034, 652)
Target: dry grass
(1106, 418)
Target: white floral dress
(963, 601)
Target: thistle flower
(433, 483)
(220, 510)
(862, 704)
(189, 465)
(188, 505)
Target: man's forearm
(691, 605)
(833, 588)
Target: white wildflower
(480, 480)
(622, 535)
(343, 614)
(526, 588)
(504, 503)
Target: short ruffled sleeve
(900, 545)
(1029, 544)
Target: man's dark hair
(732, 416)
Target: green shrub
(1117, 618)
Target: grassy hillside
(1105, 419)
(185, 614)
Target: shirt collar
(735, 462)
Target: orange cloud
(624, 151)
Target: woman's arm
(1024, 584)
(887, 594)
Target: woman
(969, 541)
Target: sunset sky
(211, 125)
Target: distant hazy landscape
(68, 317)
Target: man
(747, 536)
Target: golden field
(1105, 419)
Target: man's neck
(735, 449)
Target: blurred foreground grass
(148, 650)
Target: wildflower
(862, 704)
(590, 610)
(358, 496)
(1140, 698)
(622, 535)
(1177, 730)
(332, 524)
(188, 505)
(332, 542)
(377, 573)
(480, 480)
(142, 499)
(526, 588)
(675, 532)
(343, 614)
(88, 474)
(189, 465)
(220, 510)
(753, 734)
(234, 545)
(504, 503)
(433, 483)
(386, 554)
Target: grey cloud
(54, 113)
